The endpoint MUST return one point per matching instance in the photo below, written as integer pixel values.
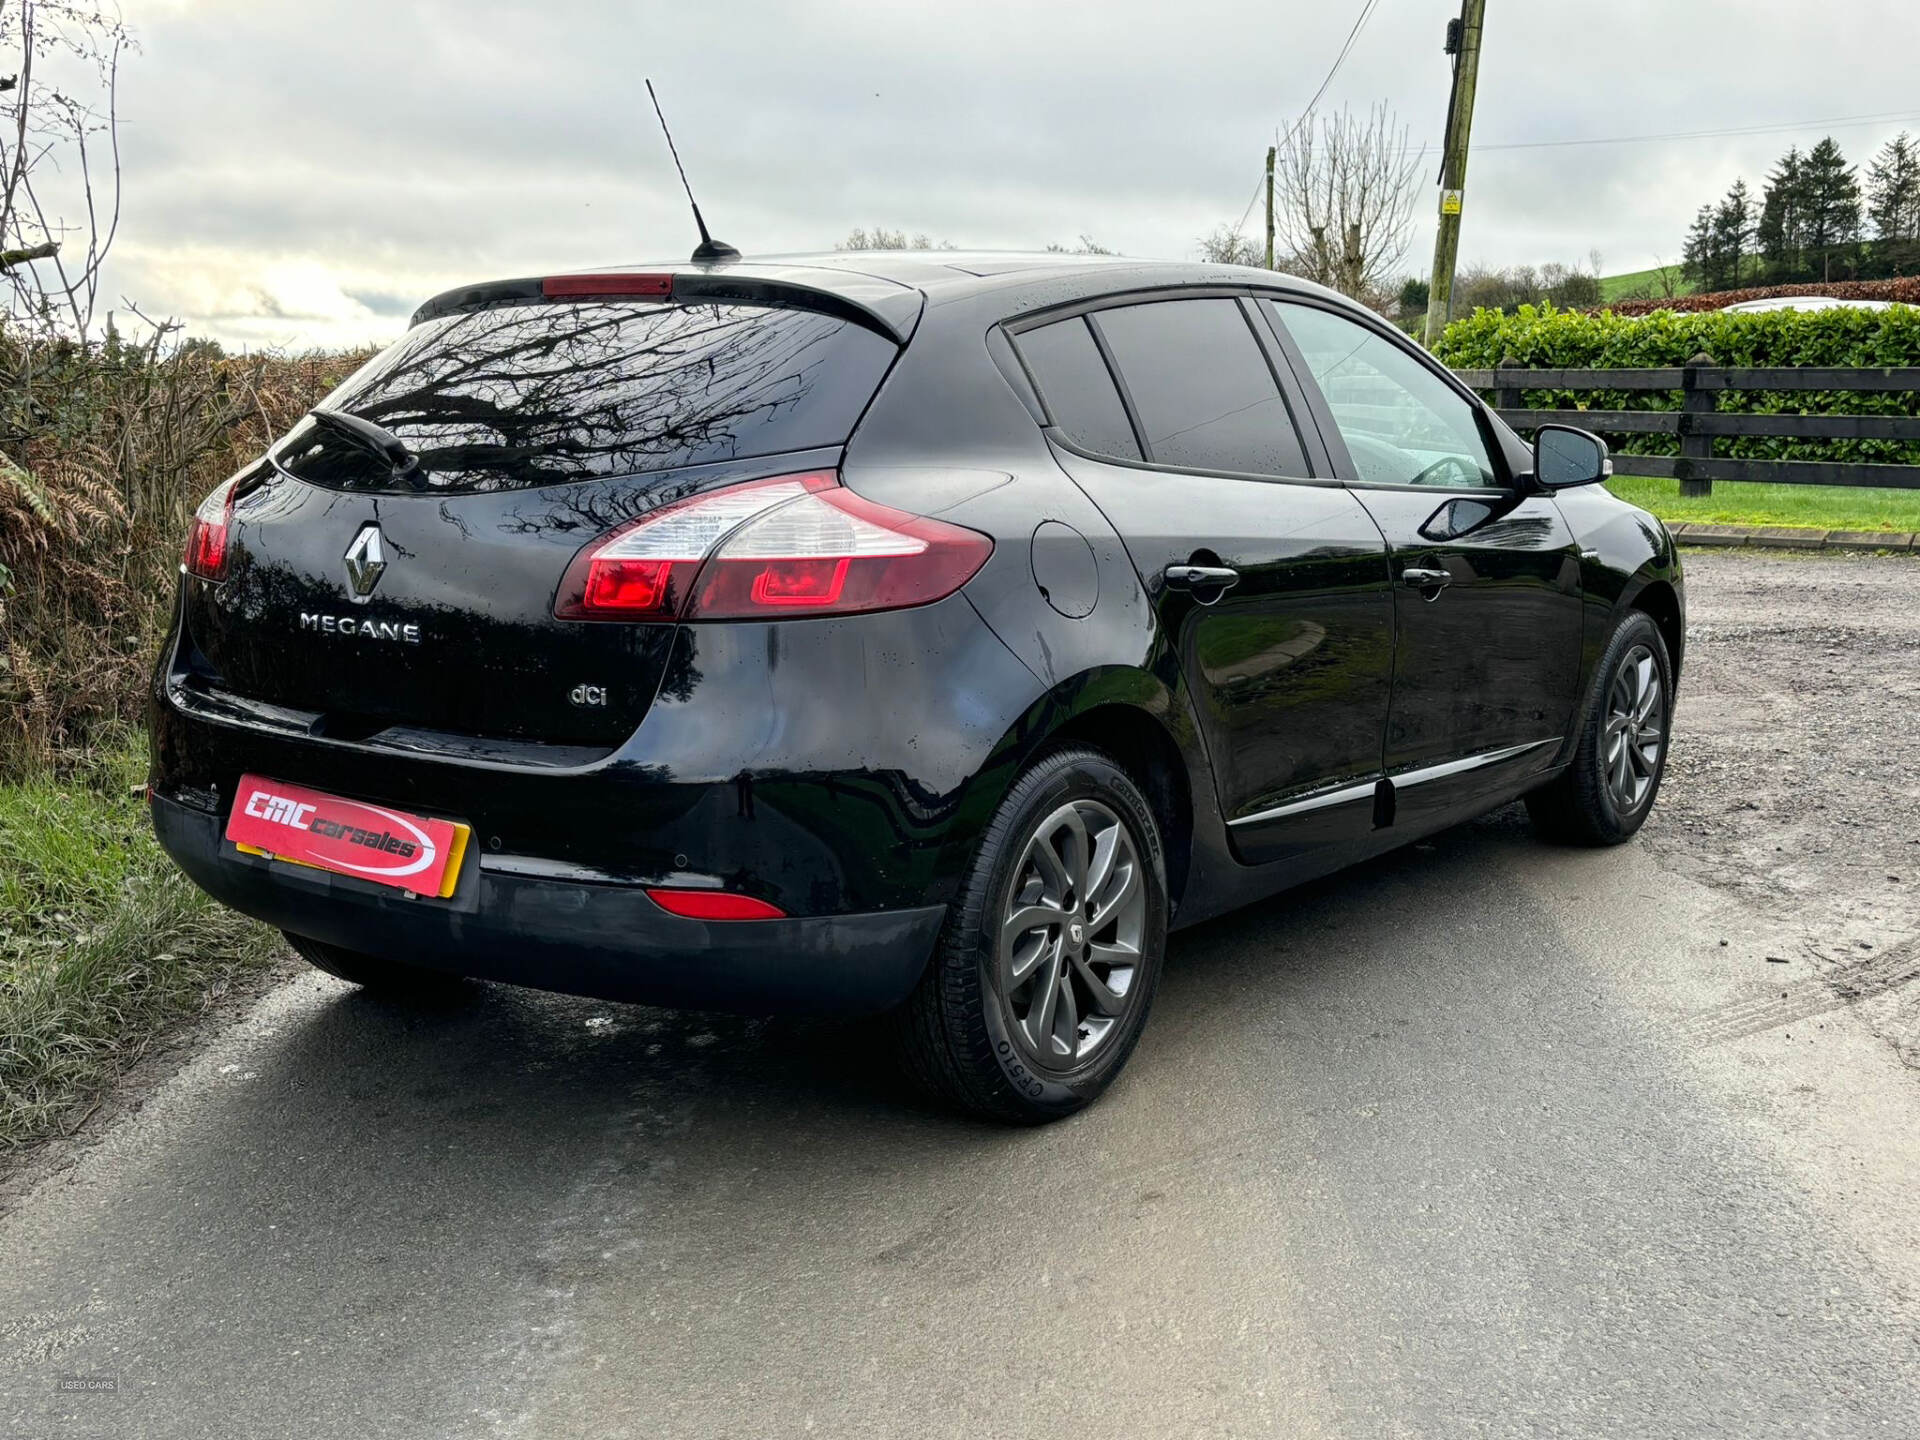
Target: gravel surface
(1794, 780)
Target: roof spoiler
(880, 305)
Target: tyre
(391, 978)
(1605, 794)
(1048, 962)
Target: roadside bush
(105, 450)
(1544, 337)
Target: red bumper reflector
(714, 905)
(560, 287)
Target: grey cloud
(399, 144)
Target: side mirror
(1564, 456)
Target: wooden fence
(1699, 422)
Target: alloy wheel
(1068, 951)
(1636, 729)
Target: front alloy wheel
(1608, 787)
(1636, 730)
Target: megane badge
(366, 562)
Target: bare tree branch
(1344, 194)
(69, 50)
(44, 250)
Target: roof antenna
(709, 249)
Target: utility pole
(1463, 43)
(1270, 150)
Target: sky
(304, 172)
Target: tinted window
(1201, 387)
(1403, 424)
(1077, 388)
(535, 394)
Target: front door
(1487, 601)
(1270, 581)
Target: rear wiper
(382, 441)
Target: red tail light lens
(714, 905)
(790, 546)
(206, 554)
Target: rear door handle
(1217, 578)
(1421, 579)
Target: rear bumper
(583, 937)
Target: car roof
(1808, 302)
(892, 287)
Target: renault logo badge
(366, 562)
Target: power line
(1359, 24)
(1836, 123)
(1711, 134)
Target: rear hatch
(379, 596)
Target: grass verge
(1740, 502)
(103, 944)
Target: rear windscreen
(538, 394)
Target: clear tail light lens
(790, 546)
(206, 555)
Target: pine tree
(1832, 199)
(1893, 190)
(1732, 233)
(1697, 260)
(1782, 230)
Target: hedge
(1546, 338)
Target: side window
(1077, 388)
(1201, 387)
(1403, 424)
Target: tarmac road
(1486, 1138)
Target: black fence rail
(1699, 421)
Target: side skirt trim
(1409, 778)
(1365, 790)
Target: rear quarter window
(540, 394)
(1077, 388)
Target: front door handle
(1423, 579)
(1209, 582)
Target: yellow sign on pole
(1449, 202)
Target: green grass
(1739, 502)
(1637, 284)
(103, 944)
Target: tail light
(790, 546)
(206, 554)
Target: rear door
(1487, 594)
(426, 600)
(1269, 579)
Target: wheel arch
(1146, 726)
(1661, 601)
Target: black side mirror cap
(1564, 457)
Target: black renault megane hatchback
(924, 634)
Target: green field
(1737, 502)
(1637, 283)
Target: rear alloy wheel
(1048, 963)
(1605, 794)
(1069, 947)
(391, 979)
